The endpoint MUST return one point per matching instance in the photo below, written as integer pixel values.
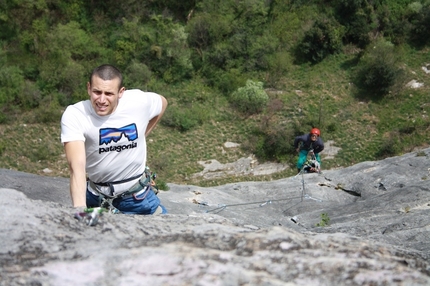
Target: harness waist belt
(119, 182)
(137, 187)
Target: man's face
(314, 137)
(104, 95)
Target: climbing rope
(303, 195)
(259, 203)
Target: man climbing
(104, 138)
(311, 144)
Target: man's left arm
(320, 145)
(153, 122)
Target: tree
(323, 39)
(359, 19)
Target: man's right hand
(89, 216)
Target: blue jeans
(303, 155)
(131, 205)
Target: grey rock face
(377, 217)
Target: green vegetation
(325, 220)
(251, 72)
(250, 99)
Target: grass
(321, 95)
(32, 148)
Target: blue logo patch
(107, 135)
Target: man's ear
(89, 88)
(121, 91)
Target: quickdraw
(90, 216)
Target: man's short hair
(107, 72)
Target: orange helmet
(315, 131)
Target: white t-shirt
(115, 144)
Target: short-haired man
(105, 139)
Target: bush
(389, 147)
(171, 57)
(49, 111)
(378, 70)
(279, 65)
(137, 75)
(67, 78)
(251, 98)
(421, 26)
(276, 143)
(323, 39)
(11, 83)
(272, 140)
(30, 96)
(226, 81)
(359, 19)
(185, 119)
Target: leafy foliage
(279, 64)
(199, 53)
(420, 22)
(11, 82)
(378, 69)
(137, 75)
(323, 39)
(359, 19)
(251, 98)
(49, 111)
(185, 119)
(50, 46)
(325, 220)
(274, 143)
(170, 53)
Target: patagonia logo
(107, 135)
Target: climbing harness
(91, 216)
(311, 165)
(142, 186)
